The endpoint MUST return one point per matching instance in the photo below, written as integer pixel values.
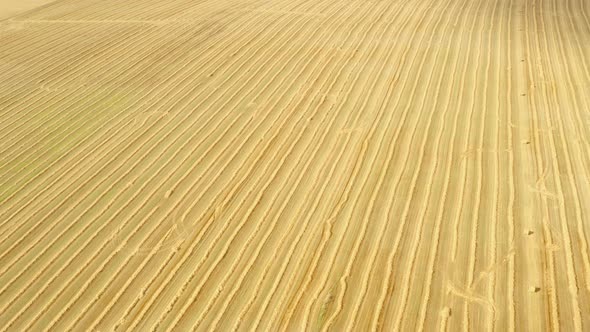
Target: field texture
(9, 8)
(344, 165)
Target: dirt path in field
(295, 165)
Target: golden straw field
(300, 165)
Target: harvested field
(10, 8)
(343, 165)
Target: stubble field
(343, 165)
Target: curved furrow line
(566, 237)
(566, 234)
(390, 151)
(79, 109)
(422, 212)
(94, 276)
(231, 165)
(37, 41)
(197, 163)
(261, 244)
(78, 159)
(40, 40)
(56, 61)
(310, 212)
(387, 289)
(55, 44)
(582, 238)
(10, 217)
(549, 263)
(153, 7)
(79, 73)
(573, 13)
(107, 309)
(166, 13)
(185, 80)
(571, 74)
(289, 255)
(105, 95)
(584, 12)
(511, 178)
(433, 253)
(355, 164)
(12, 38)
(548, 99)
(368, 275)
(188, 210)
(98, 271)
(466, 148)
(481, 129)
(420, 152)
(496, 207)
(195, 242)
(115, 182)
(155, 12)
(225, 249)
(339, 206)
(77, 123)
(187, 83)
(75, 72)
(24, 97)
(52, 39)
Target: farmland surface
(9, 8)
(343, 165)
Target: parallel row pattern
(344, 165)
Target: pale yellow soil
(343, 165)
(11, 8)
